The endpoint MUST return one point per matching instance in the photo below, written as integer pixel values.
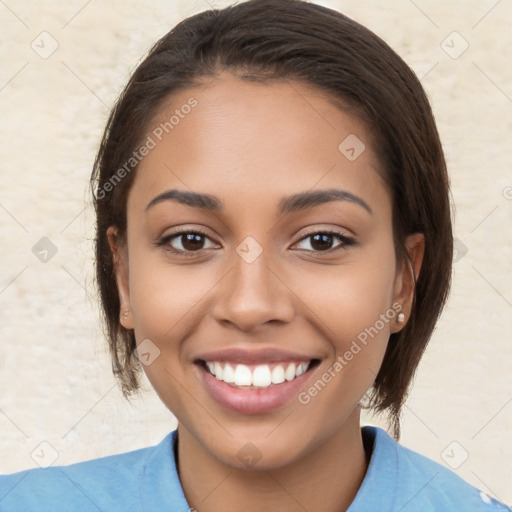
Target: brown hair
(297, 40)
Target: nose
(252, 294)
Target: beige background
(57, 386)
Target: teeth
(278, 374)
(301, 369)
(218, 370)
(289, 374)
(229, 374)
(243, 375)
(260, 376)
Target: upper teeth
(260, 376)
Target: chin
(261, 449)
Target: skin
(251, 144)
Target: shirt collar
(378, 489)
(160, 485)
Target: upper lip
(266, 355)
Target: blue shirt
(146, 480)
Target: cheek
(165, 297)
(348, 300)
(354, 313)
(167, 306)
(352, 308)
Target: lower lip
(252, 401)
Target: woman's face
(257, 287)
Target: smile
(252, 387)
(256, 376)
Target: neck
(325, 480)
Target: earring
(124, 315)
(400, 318)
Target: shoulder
(109, 483)
(422, 484)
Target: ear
(120, 259)
(406, 276)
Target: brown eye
(191, 241)
(184, 242)
(321, 241)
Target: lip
(261, 356)
(253, 401)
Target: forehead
(246, 141)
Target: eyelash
(346, 241)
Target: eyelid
(333, 230)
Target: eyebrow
(295, 202)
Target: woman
(274, 248)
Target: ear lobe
(408, 274)
(120, 261)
